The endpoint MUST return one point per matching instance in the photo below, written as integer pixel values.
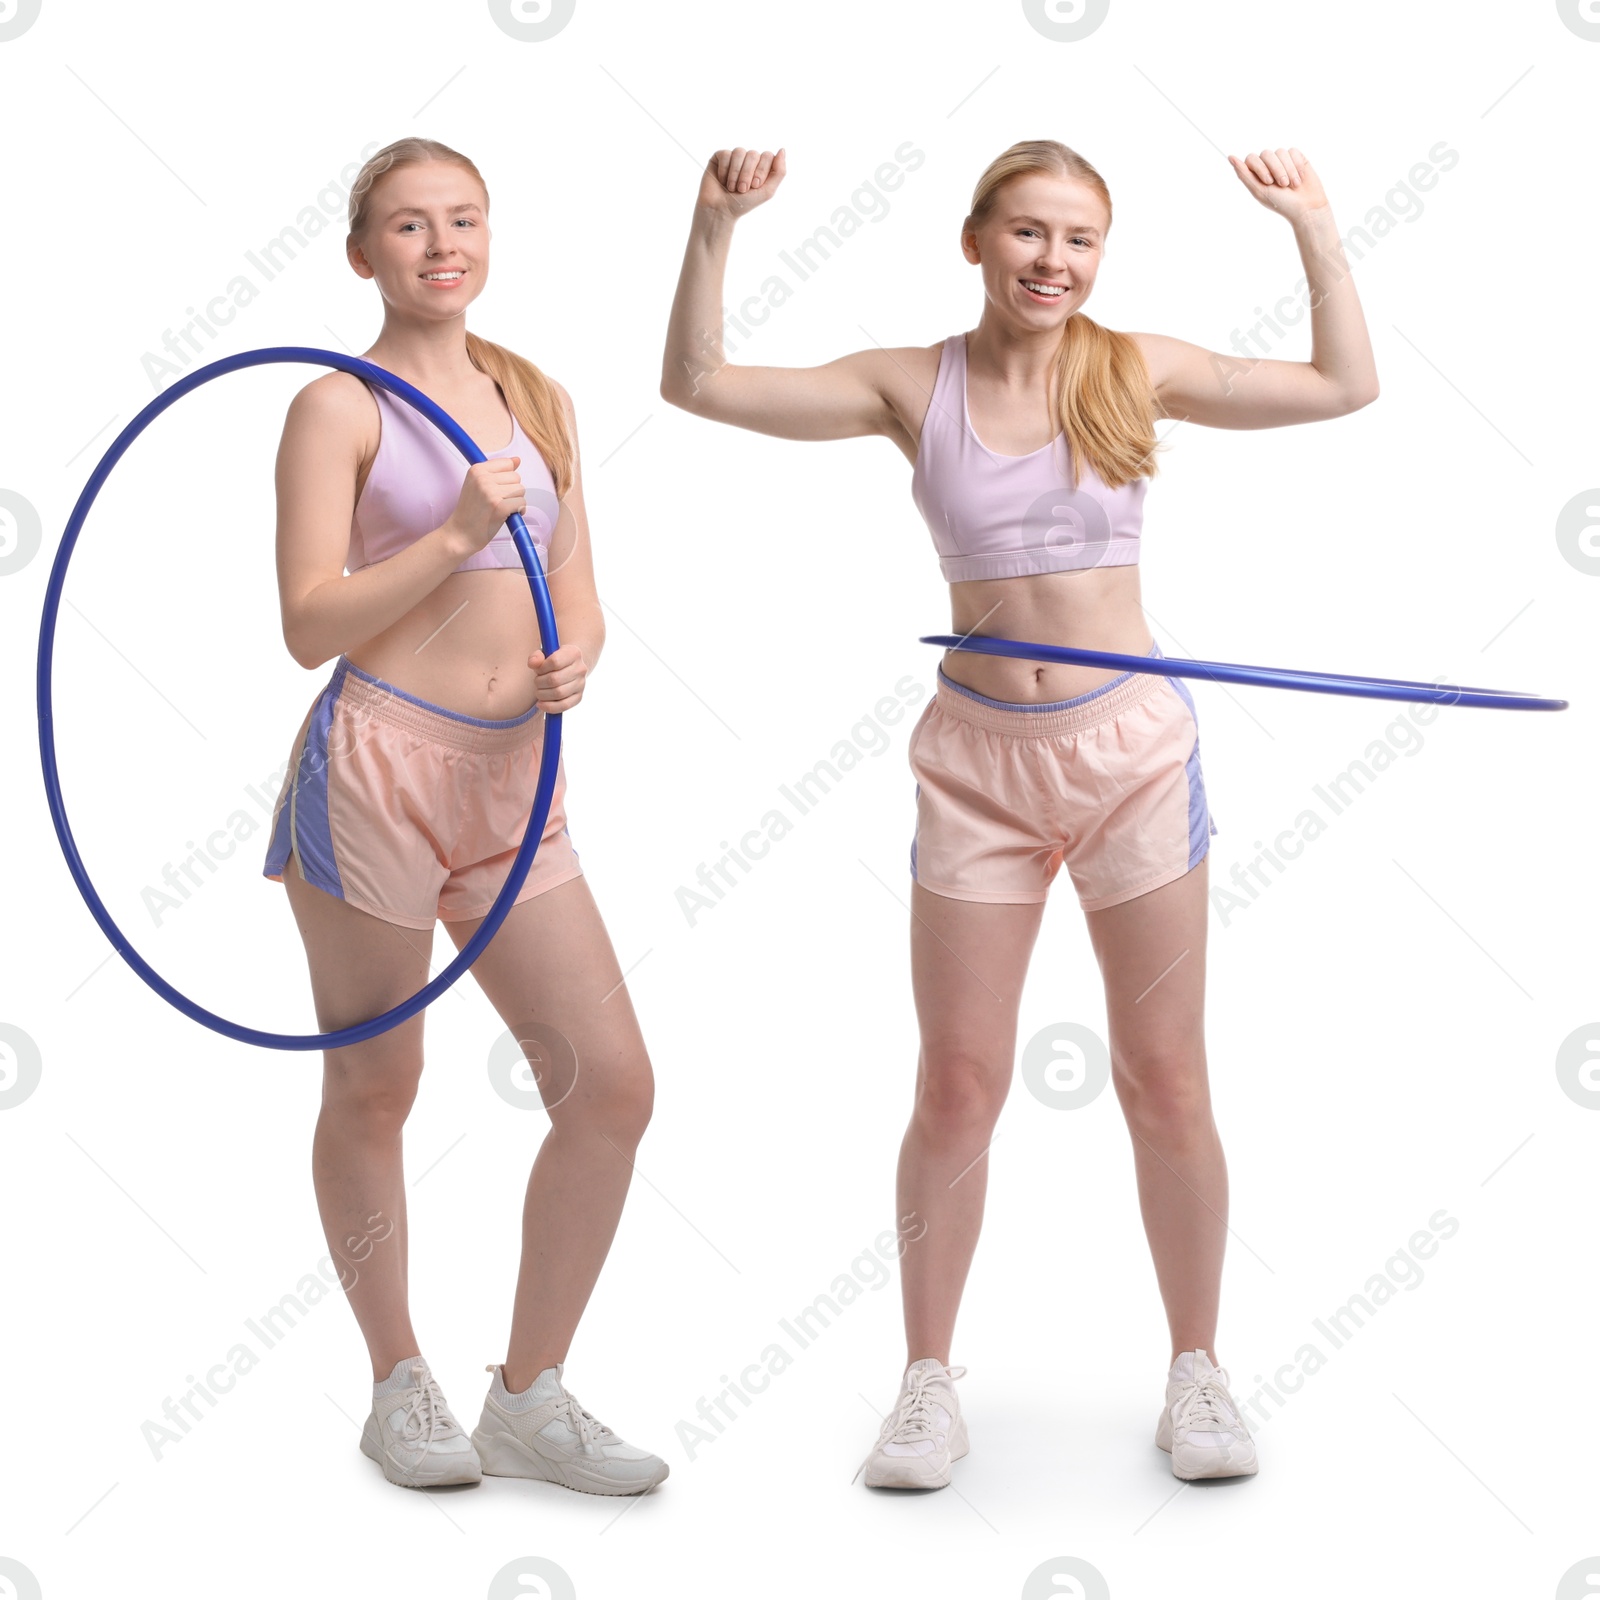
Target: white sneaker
(544, 1433)
(923, 1434)
(412, 1435)
(1200, 1424)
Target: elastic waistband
(1052, 717)
(382, 701)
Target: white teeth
(1044, 288)
(440, 276)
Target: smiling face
(1040, 248)
(426, 240)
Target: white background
(1384, 1019)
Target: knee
(1165, 1094)
(618, 1106)
(375, 1100)
(959, 1092)
(633, 1101)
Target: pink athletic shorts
(1108, 782)
(412, 812)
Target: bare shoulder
(1159, 352)
(340, 403)
(569, 411)
(905, 376)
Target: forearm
(694, 329)
(584, 626)
(1341, 350)
(343, 613)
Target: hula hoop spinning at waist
(1261, 677)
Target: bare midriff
(464, 646)
(1091, 609)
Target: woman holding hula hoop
(410, 785)
(1031, 440)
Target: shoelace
(1206, 1401)
(424, 1414)
(589, 1428)
(912, 1418)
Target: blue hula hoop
(552, 731)
(1444, 694)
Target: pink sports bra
(415, 481)
(994, 516)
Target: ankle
(395, 1372)
(519, 1376)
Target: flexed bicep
(1232, 389)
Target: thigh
(1152, 955)
(360, 967)
(551, 974)
(969, 959)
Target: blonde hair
(1103, 393)
(531, 396)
